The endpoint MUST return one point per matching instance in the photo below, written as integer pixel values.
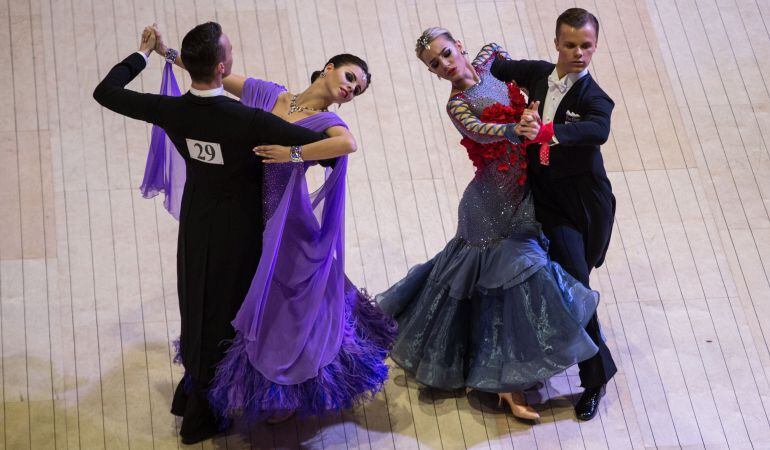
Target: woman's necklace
(294, 108)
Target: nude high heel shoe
(519, 406)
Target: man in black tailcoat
(220, 226)
(573, 197)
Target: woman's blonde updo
(427, 36)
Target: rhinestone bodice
(488, 91)
(494, 205)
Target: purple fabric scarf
(293, 315)
(165, 169)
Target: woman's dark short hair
(344, 59)
(577, 18)
(201, 51)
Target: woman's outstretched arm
(340, 142)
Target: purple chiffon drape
(165, 169)
(292, 318)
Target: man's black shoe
(200, 436)
(588, 405)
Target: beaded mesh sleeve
(460, 107)
(489, 51)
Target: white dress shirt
(557, 89)
(208, 92)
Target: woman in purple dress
(307, 341)
(490, 311)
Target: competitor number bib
(207, 152)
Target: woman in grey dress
(490, 311)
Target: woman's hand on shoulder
(272, 154)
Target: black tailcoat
(573, 196)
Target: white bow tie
(560, 85)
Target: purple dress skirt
(306, 339)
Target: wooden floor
(87, 266)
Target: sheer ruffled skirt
(496, 319)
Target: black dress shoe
(588, 405)
(199, 436)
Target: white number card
(207, 152)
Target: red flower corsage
(483, 154)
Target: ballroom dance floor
(88, 300)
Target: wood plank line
(87, 273)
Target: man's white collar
(208, 92)
(568, 79)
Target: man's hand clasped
(529, 123)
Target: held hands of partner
(152, 40)
(160, 46)
(529, 123)
(148, 41)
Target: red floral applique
(483, 154)
(516, 98)
(498, 113)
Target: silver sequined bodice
(494, 205)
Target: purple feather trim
(355, 375)
(186, 382)
(177, 344)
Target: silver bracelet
(171, 55)
(295, 153)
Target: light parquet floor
(87, 267)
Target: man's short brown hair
(577, 18)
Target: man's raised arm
(112, 93)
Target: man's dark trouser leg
(568, 249)
(191, 403)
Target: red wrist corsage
(543, 138)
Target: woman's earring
(463, 52)
(323, 74)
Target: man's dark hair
(577, 18)
(201, 51)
